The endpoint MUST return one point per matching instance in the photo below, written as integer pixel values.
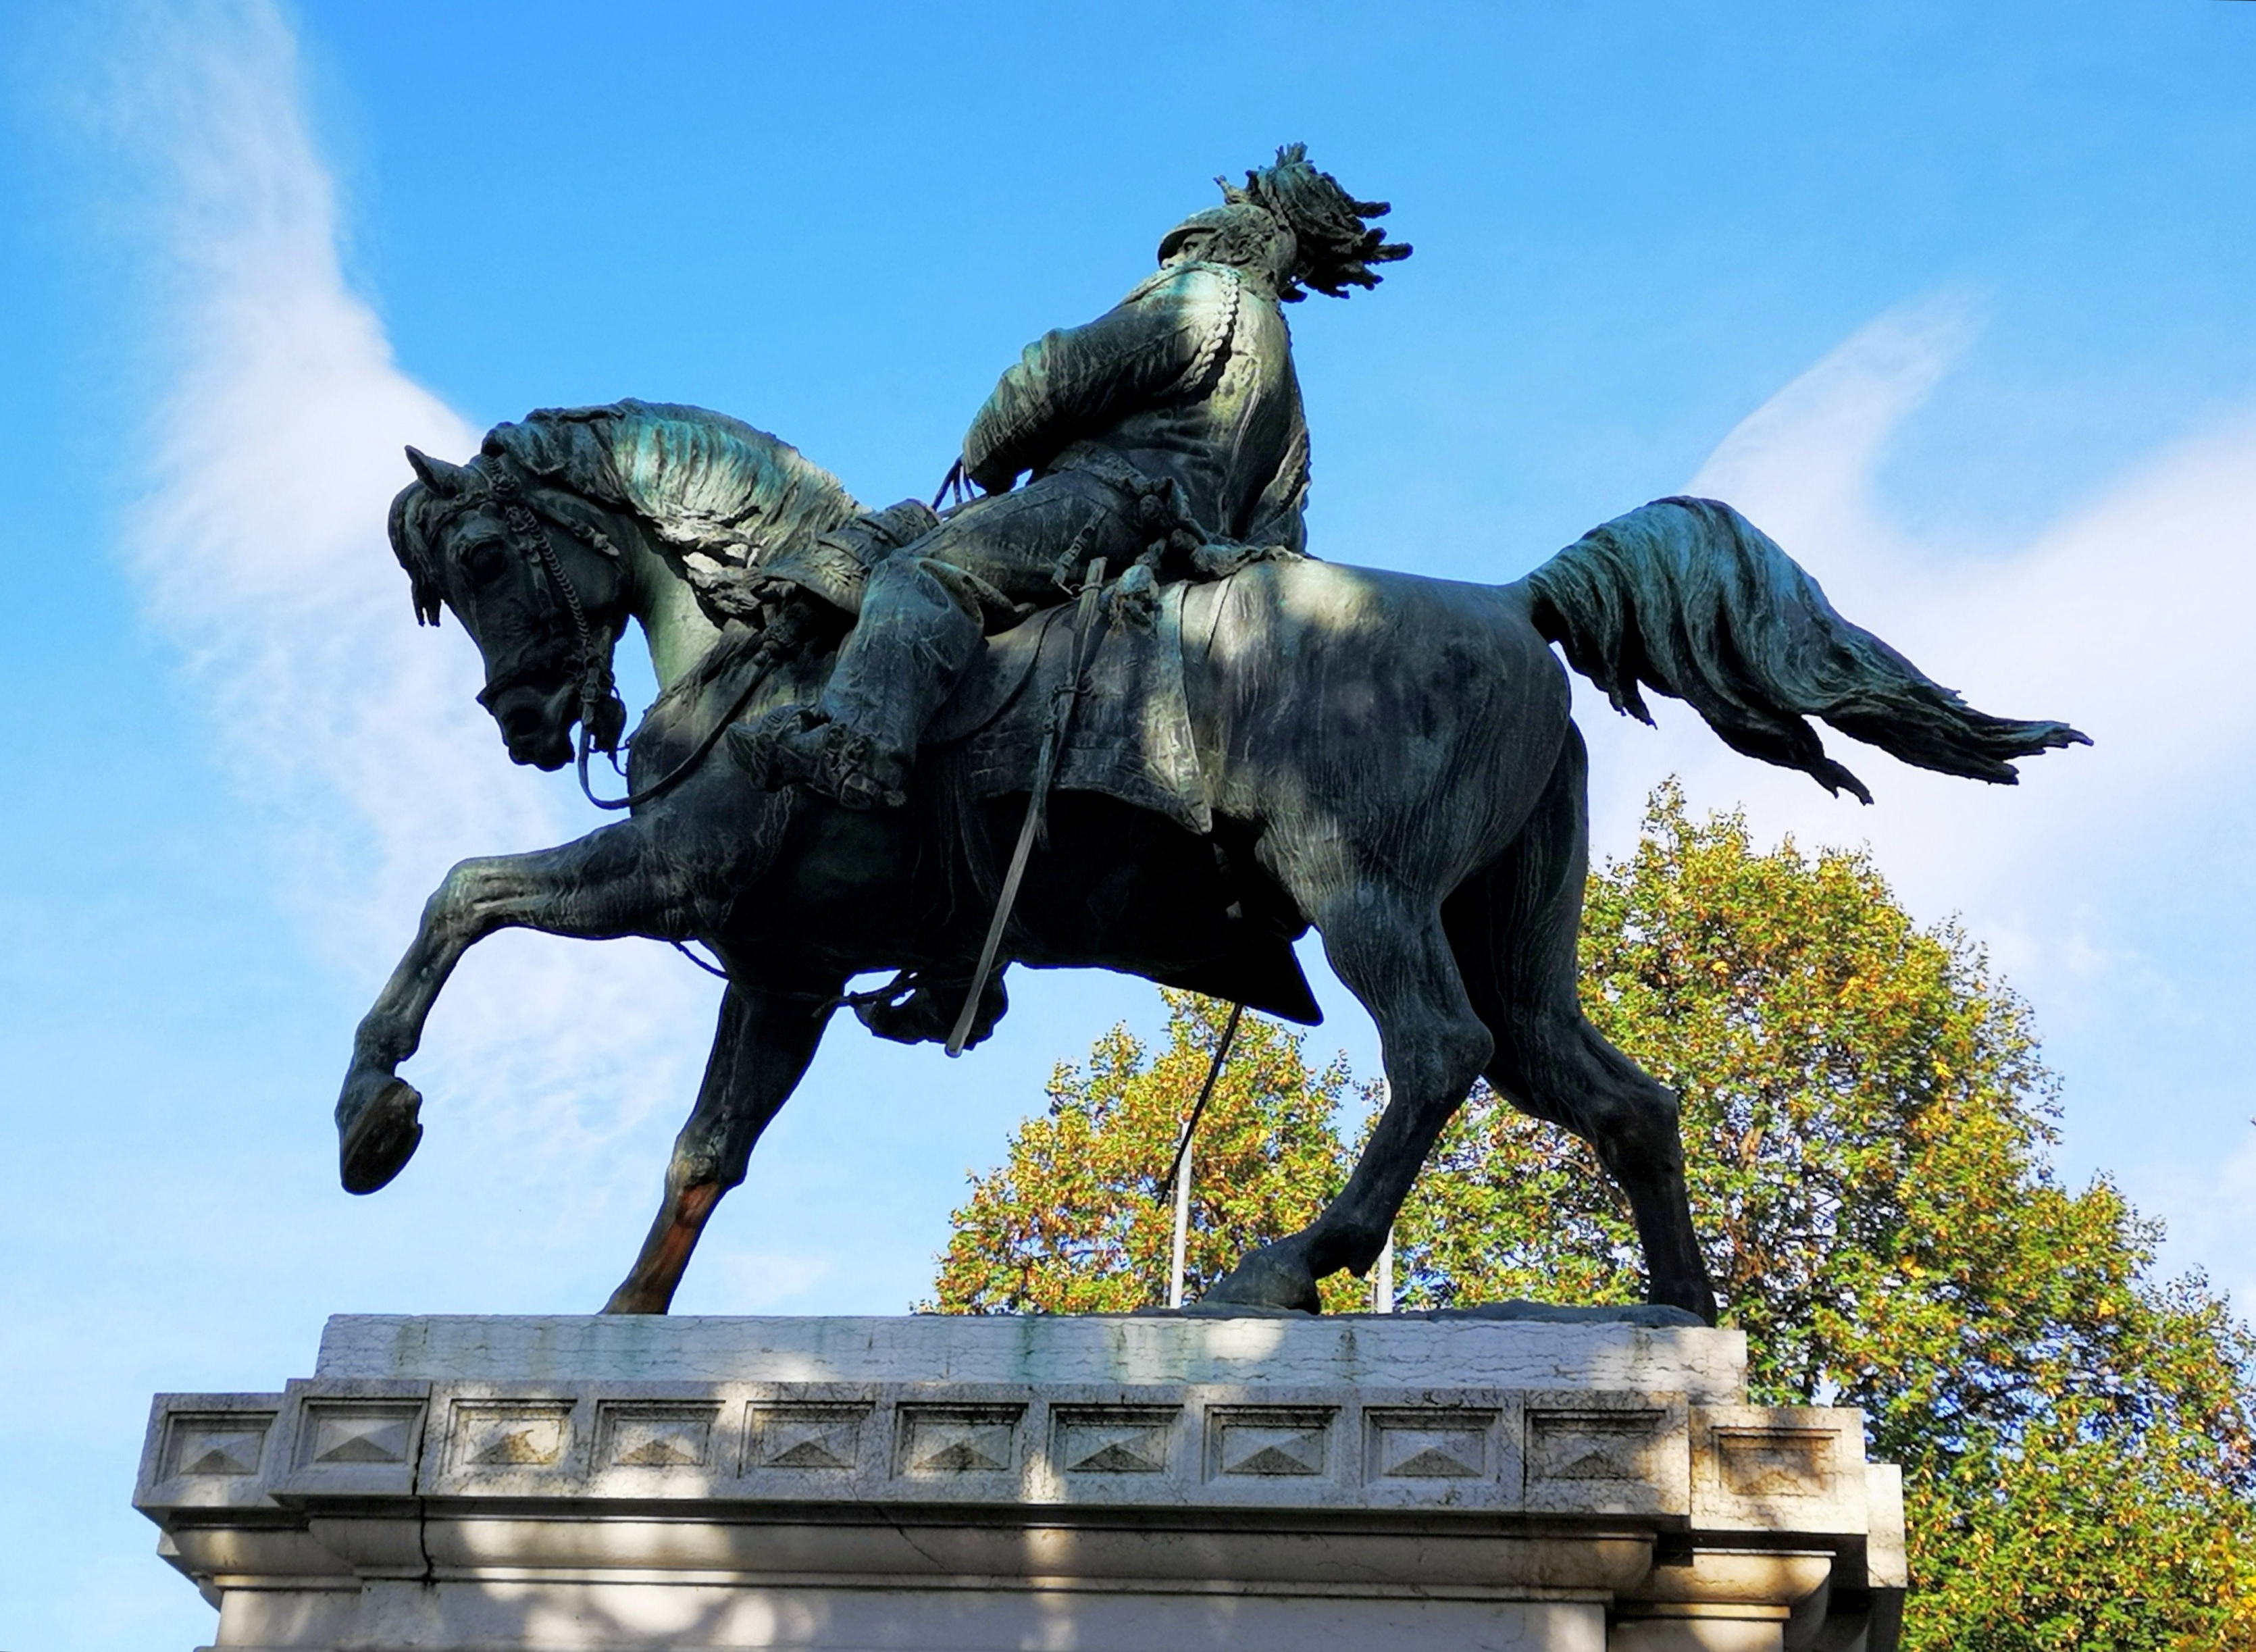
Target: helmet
(1232, 225)
(1336, 248)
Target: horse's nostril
(523, 719)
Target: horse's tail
(1689, 597)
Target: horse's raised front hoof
(377, 1133)
(1274, 1276)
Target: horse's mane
(709, 485)
(704, 481)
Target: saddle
(1129, 736)
(1129, 739)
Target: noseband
(521, 528)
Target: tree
(1077, 1219)
(1867, 1126)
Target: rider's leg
(922, 624)
(920, 629)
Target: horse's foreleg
(601, 885)
(760, 1051)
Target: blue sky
(1955, 301)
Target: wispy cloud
(1809, 452)
(261, 548)
(2127, 617)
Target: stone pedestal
(1155, 1484)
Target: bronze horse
(1389, 758)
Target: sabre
(1044, 766)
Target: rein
(523, 529)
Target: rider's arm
(1072, 382)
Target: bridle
(522, 531)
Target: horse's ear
(436, 474)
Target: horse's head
(535, 577)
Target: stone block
(1393, 1350)
(545, 1484)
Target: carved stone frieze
(1651, 1518)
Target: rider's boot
(799, 744)
(919, 628)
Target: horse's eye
(483, 562)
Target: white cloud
(2126, 618)
(261, 549)
(2216, 1220)
(1807, 453)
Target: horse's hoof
(376, 1143)
(1271, 1277)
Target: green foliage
(1077, 1221)
(1868, 1125)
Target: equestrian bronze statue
(1225, 741)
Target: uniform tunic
(1178, 408)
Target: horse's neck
(663, 603)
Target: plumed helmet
(1242, 225)
(1334, 246)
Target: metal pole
(1179, 1173)
(1182, 1226)
(1382, 1274)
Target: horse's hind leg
(1391, 952)
(1515, 927)
(760, 1052)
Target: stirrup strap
(1044, 767)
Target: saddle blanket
(1129, 734)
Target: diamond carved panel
(505, 1434)
(1775, 1461)
(1427, 1444)
(804, 1436)
(225, 1443)
(654, 1435)
(1268, 1442)
(1113, 1439)
(357, 1434)
(1592, 1445)
(957, 1439)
